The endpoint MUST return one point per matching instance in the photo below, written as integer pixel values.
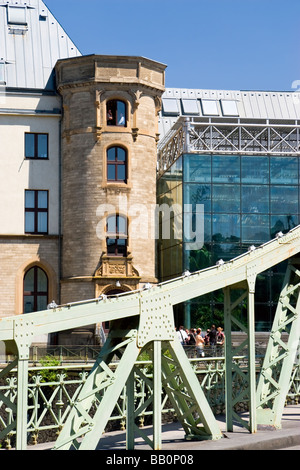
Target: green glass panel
(255, 199)
(226, 227)
(226, 198)
(255, 169)
(226, 169)
(284, 170)
(198, 194)
(283, 223)
(255, 228)
(284, 199)
(197, 168)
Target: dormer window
(16, 15)
(116, 113)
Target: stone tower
(108, 178)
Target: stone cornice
(87, 71)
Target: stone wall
(17, 255)
(86, 84)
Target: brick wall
(17, 254)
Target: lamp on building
(186, 273)
(102, 297)
(279, 235)
(147, 286)
(252, 248)
(118, 284)
(220, 262)
(52, 305)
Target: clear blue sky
(214, 44)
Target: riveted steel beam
(280, 356)
(144, 318)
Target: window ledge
(117, 186)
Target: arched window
(116, 113)
(116, 235)
(117, 165)
(35, 290)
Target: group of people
(213, 337)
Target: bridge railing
(53, 389)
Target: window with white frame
(17, 15)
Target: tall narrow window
(116, 113)
(2, 73)
(116, 235)
(35, 290)
(36, 146)
(117, 165)
(36, 212)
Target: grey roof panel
(31, 51)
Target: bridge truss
(144, 321)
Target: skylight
(190, 106)
(229, 108)
(170, 106)
(16, 15)
(210, 108)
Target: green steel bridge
(144, 321)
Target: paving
(173, 437)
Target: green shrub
(49, 375)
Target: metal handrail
(49, 403)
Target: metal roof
(31, 42)
(227, 104)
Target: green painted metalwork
(80, 423)
(51, 399)
(279, 360)
(144, 320)
(180, 383)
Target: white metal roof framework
(229, 122)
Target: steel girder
(274, 381)
(144, 319)
(84, 428)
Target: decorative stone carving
(117, 267)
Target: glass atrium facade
(247, 200)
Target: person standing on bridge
(220, 340)
(213, 335)
(199, 344)
(182, 335)
(213, 339)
